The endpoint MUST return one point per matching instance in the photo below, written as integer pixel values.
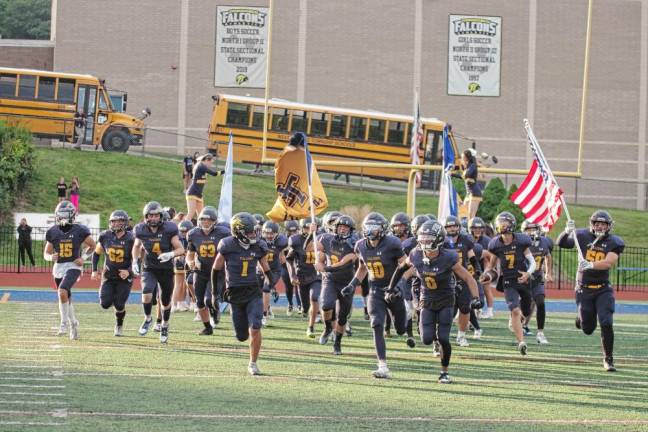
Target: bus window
(27, 86)
(66, 91)
(46, 87)
(257, 116)
(358, 128)
(376, 130)
(103, 105)
(299, 121)
(279, 119)
(8, 85)
(338, 126)
(318, 123)
(396, 132)
(238, 114)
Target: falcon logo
(244, 17)
(475, 25)
(241, 79)
(473, 87)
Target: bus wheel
(116, 140)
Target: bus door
(432, 155)
(87, 101)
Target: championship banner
(241, 46)
(291, 182)
(474, 55)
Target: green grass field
(110, 181)
(103, 383)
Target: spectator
(74, 192)
(338, 175)
(473, 188)
(24, 242)
(80, 121)
(61, 187)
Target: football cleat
(144, 328)
(270, 313)
(264, 321)
(527, 331)
(388, 333)
(318, 319)
(485, 314)
(119, 330)
(337, 349)
(522, 347)
(348, 330)
(410, 342)
(289, 311)
(541, 338)
(382, 373)
(157, 327)
(63, 329)
(207, 331)
(310, 332)
(197, 318)
(444, 378)
(608, 364)
(436, 349)
(462, 341)
(577, 323)
(324, 337)
(477, 334)
(164, 335)
(74, 330)
(253, 369)
(510, 325)
(366, 315)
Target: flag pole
(534, 141)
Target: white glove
(166, 256)
(585, 265)
(570, 227)
(136, 268)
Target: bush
(16, 165)
(510, 206)
(493, 195)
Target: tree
(510, 206)
(493, 195)
(25, 19)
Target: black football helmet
(291, 227)
(601, 216)
(431, 216)
(118, 221)
(532, 229)
(347, 221)
(328, 221)
(304, 225)
(374, 226)
(150, 209)
(185, 226)
(65, 213)
(430, 236)
(505, 223)
(171, 211)
(452, 226)
(207, 218)
(476, 222)
(269, 231)
(243, 226)
(417, 222)
(259, 218)
(399, 224)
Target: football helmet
(430, 236)
(417, 222)
(601, 216)
(243, 226)
(269, 231)
(399, 224)
(374, 226)
(207, 218)
(150, 209)
(65, 213)
(452, 226)
(505, 223)
(118, 221)
(185, 226)
(346, 221)
(291, 227)
(532, 229)
(328, 221)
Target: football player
(511, 253)
(477, 229)
(161, 244)
(379, 255)
(116, 275)
(336, 264)
(436, 267)
(301, 267)
(239, 255)
(64, 243)
(194, 195)
(291, 228)
(276, 244)
(179, 271)
(400, 226)
(600, 251)
(202, 243)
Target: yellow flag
(291, 183)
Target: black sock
(540, 315)
(119, 316)
(207, 324)
(607, 340)
(473, 320)
(212, 311)
(147, 308)
(410, 333)
(166, 314)
(329, 325)
(338, 338)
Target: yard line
(32, 386)
(25, 402)
(17, 366)
(20, 423)
(31, 394)
(29, 379)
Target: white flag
(225, 203)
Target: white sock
(252, 363)
(364, 300)
(461, 334)
(382, 364)
(490, 310)
(64, 309)
(71, 312)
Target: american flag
(539, 196)
(417, 139)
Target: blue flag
(447, 194)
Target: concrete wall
(27, 54)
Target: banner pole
(264, 142)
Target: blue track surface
(90, 296)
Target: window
(358, 127)
(46, 87)
(103, 105)
(318, 123)
(257, 117)
(27, 86)
(238, 114)
(66, 90)
(396, 132)
(299, 121)
(279, 119)
(338, 126)
(8, 85)
(377, 130)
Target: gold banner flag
(291, 183)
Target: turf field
(102, 383)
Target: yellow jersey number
(430, 282)
(594, 256)
(207, 250)
(376, 269)
(510, 261)
(65, 250)
(156, 248)
(244, 270)
(310, 257)
(115, 255)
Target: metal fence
(630, 274)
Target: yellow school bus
(45, 103)
(333, 134)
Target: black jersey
(303, 260)
(540, 249)
(462, 246)
(335, 249)
(437, 278)
(117, 253)
(204, 245)
(240, 268)
(381, 261)
(156, 243)
(409, 244)
(275, 248)
(593, 252)
(67, 241)
(511, 256)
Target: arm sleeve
(95, 261)
(398, 274)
